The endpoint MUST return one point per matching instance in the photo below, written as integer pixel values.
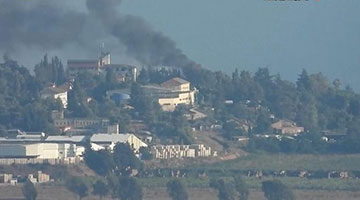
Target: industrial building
(40, 146)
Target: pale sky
(247, 34)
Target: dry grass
(60, 193)
(266, 161)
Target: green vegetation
(252, 182)
(177, 190)
(100, 189)
(276, 190)
(128, 189)
(29, 190)
(241, 188)
(257, 100)
(78, 186)
(225, 189)
(122, 161)
(267, 161)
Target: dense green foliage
(275, 190)
(100, 189)
(122, 161)
(20, 103)
(241, 188)
(50, 72)
(29, 190)
(101, 161)
(257, 100)
(78, 186)
(260, 99)
(225, 190)
(128, 189)
(177, 190)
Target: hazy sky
(283, 36)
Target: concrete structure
(42, 177)
(56, 93)
(287, 127)
(181, 151)
(122, 72)
(172, 93)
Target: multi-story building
(122, 72)
(171, 93)
(77, 123)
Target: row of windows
(85, 123)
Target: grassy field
(255, 183)
(265, 161)
(60, 193)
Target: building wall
(12, 150)
(63, 98)
(169, 104)
(38, 150)
(73, 72)
(136, 143)
(80, 123)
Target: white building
(40, 146)
(172, 93)
(40, 151)
(110, 140)
(182, 151)
(56, 93)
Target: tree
(101, 161)
(125, 159)
(29, 190)
(128, 189)
(77, 101)
(177, 190)
(225, 190)
(53, 72)
(145, 153)
(241, 188)
(77, 186)
(100, 189)
(275, 190)
(144, 76)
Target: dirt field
(60, 193)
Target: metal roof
(109, 138)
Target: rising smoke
(50, 25)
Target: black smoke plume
(49, 25)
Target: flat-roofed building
(172, 93)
